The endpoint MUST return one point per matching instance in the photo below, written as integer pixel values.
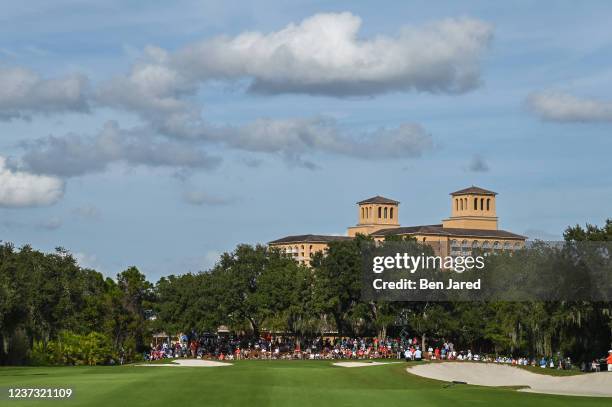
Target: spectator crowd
(227, 347)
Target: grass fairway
(265, 383)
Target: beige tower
(472, 208)
(374, 214)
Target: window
(488, 204)
(507, 246)
(362, 213)
(475, 244)
(465, 247)
(391, 213)
(486, 245)
(385, 213)
(481, 204)
(475, 203)
(496, 246)
(456, 204)
(455, 249)
(379, 212)
(461, 206)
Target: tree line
(52, 311)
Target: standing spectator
(418, 355)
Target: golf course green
(264, 383)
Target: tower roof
(473, 190)
(378, 200)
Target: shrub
(74, 349)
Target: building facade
(473, 224)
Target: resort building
(473, 224)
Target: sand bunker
(188, 363)
(361, 364)
(490, 374)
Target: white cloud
(23, 93)
(563, 107)
(151, 89)
(22, 189)
(324, 54)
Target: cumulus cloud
(23, 189)
(564, 107)
(478, 164)
(23, 93)
(74, 155)
(151, 89)
(324, 54)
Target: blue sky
(161, 134)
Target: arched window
(481, 204)
(456, 204)
(488, 204)
(385, 212)
(486, 245)
(475, 244)
(496, 246)
(461, 206)
(362, 213)
(379, 212)
(391, 213)
(466, 203)
(475, 203)
(517, 246)
(507, 246)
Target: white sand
(361, 364)
(188, 363)
(491, 374)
